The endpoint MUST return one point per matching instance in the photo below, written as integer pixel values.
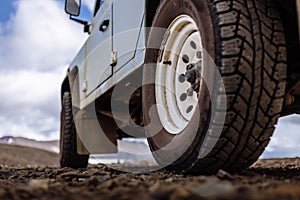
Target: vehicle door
(98, 48)
(128, 17)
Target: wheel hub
(192, 75)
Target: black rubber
(248, 46)
(68, 145)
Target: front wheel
(183, 95)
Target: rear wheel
(245, 39)
(68, 137)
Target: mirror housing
(72, 7)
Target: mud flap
(91, 138)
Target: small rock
(224, 175)
(180, 193)
(91, 172)
(154, 187)
(211, 189)
(39, 184)
(49, 170)
(72, 174)
(39, 169)
(133, 183)
(169, 180)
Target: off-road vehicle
(205, 81)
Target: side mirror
(72, 7)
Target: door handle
(104, 25)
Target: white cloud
(286, 138)
(30, 104)
(22, 129)
(40, 36)
(37, 43)
(31, 86)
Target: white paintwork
(125, 71)
(127, 21)
(125, 36)
(98, 50)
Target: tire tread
(69, 156)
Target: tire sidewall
(185, 145)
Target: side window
(98, 5)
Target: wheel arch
(69, 82)
(151, 7)
(65, 87)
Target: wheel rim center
(192, 76)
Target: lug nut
(181, 78)
(190, 92)
(183, 97)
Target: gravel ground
(266, 179)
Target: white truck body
(110, 55)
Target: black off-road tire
(68, 143)
(247, 42)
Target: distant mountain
(128, 150)
(52, 146)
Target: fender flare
(70, 83)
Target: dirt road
(267, 179)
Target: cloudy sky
(37, 41)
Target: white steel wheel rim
(181, 46)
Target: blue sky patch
(6, 10)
